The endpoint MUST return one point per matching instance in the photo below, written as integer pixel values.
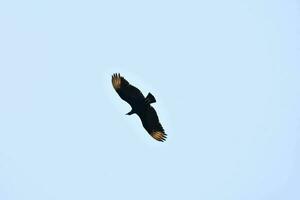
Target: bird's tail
(150, 99)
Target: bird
(140, 105)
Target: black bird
(140, 106)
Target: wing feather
(126, 91)
(152, 125)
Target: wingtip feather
(159, 135)
(116, 81)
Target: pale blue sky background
(226, 76)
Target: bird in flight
(140, 105)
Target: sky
(225, 75)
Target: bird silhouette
(140, 105)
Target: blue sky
(225, 75)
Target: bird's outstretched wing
(151, 123)
(126, 91)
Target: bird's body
(140, 105)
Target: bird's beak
(130, 113)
